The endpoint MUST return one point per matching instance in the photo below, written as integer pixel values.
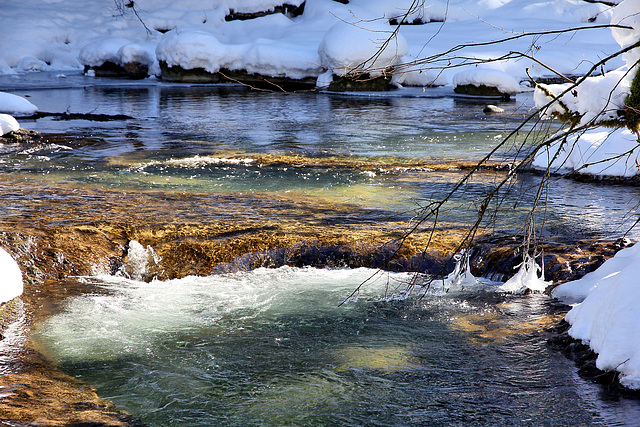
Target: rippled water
(207, 139)
(274, 346)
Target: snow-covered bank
(11, 279)
(39, 35)
(596, 105)
(607, 317)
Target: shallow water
(274, 346)
(213, 139)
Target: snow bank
(8, 124)
(596, 99)
(576, 291)
(15, 104)
(372, 47)
(607, 319)
(54, 35)
(504, 82)
(11, 278)
(599, 151)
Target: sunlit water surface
(275, 346)
(205, 139)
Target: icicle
(529, 276)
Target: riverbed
(194, 165)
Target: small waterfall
(141, 263)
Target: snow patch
(8, 124)
(14, 104)
(11, 282)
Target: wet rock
(21, 136)
(585, 360)
(481, 91)
(136, 70)
(360, 83)
(288, 10)
(492, 109)
(107, 69)
(498, 258)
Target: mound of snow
(14, 104)
(504, 82)
(8, 124)
(363, 47)
(11, 278)
(101, 50)
(194, 49)
(607, 319)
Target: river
(274, 346)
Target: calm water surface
(274, 346)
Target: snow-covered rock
(486, 81)
(14, 104)
(8, 124)
(11, 278)
(372, 48)
(101, 50)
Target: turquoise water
(273, 347)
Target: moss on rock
(632, 105)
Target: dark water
(273, 346)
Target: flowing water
(275, 346)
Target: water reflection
(177, 122)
